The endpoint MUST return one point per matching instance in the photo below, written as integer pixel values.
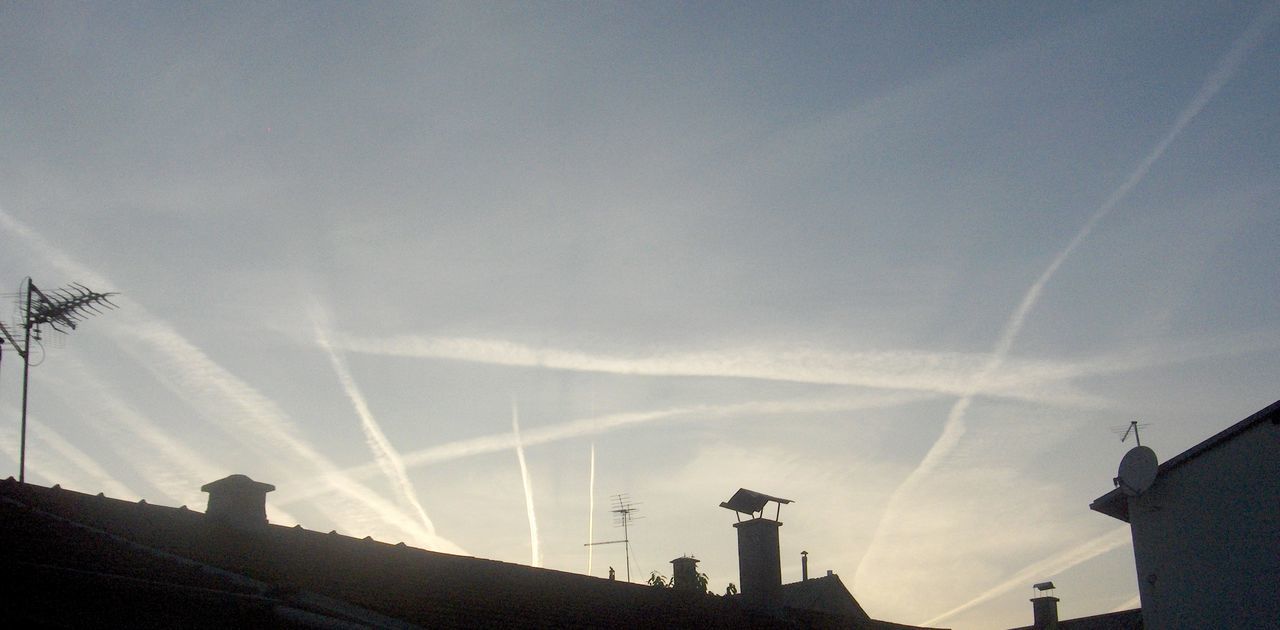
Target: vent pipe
(804, 566)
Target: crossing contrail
(585, 427)
(534, 551)
(954, 428)
(383, 452)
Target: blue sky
(905, 263)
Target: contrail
(1189, 351)
(383, 452)
(168, 464)
(954, 427)
(1051, 566)
(92, 474)
(228, 402)
(934, 372)
(534, 551)
(603, 424)
(591, 509)
(1129, 604)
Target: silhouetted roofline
(1115, 503)
(1131, 618)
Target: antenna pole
(623, 516)
(61, 309)
(626, 538)
(26, 373)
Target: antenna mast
(61, 309)
(1133, 428)
(623, 515)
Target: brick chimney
(1045, 612)
(1044, 607)
(238, 501)
(684, 575)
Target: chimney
(1044, 608)
(684, 575)
(804, 566)
(759, 561)
(238, 502)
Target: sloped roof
(1122, 620)
(826, 594)
(829, 595)
(168, 566)
(1115, 503)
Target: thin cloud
(384, 453)
(535, 551)
(954, 428)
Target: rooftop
(1115, 504)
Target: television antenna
(624, 512)
(1132, 429)
(61, 309)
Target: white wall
(1206, 537)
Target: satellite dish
(1137, 471)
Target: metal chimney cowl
(238, 502)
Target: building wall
(1206, 537)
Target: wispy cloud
(954, 428)
(535, 552)
(227, 402)
(384, 453)
(1045, 568)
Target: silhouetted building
(79, 560)
(684, 576)
(760, 568)
(1206, 530)
(1044, 612)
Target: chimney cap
(749, 501)
(236, 482)
(1043, 586)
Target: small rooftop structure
(238, 501)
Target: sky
(457, 274)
